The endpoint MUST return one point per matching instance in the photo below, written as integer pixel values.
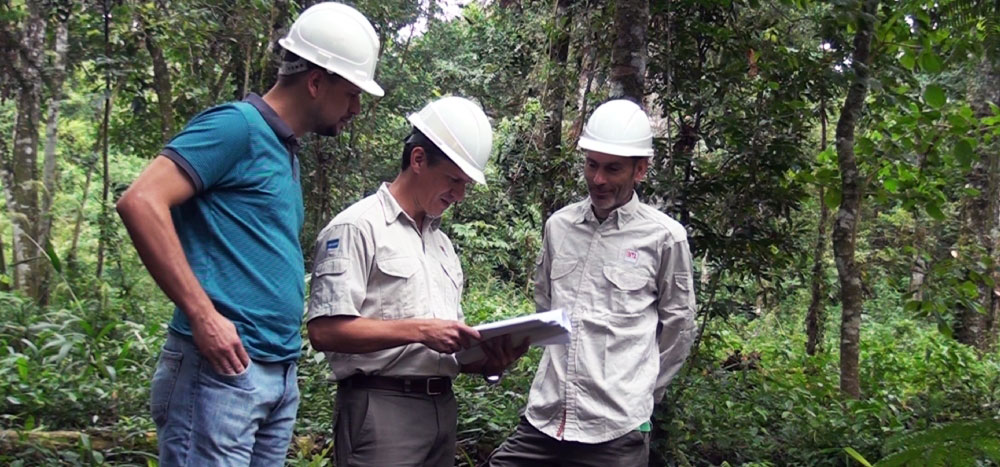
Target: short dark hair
(417, 138)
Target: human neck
(403, 189)
(288, 105)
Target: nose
(599, 177)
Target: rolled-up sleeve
(676, 310)
(340, 276)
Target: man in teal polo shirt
(216, 219)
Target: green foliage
(789, 410)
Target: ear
(641, 167)
(314, 80)
(418, 159)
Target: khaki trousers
(383, 428)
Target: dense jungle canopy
(836, 165)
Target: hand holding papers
(548, 328)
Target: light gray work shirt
(372, 261)
(627, 287)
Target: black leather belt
(431, 386)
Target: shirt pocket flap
(402, 267)
(561, 268)
(624, 280)
(332, 266)
(683, 282)
(454, 272)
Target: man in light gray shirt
(386, 299)
(622, 271)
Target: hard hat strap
(291, 68)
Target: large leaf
(934, 96)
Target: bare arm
(145, 211)
(353, 334)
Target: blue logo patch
(332, 244)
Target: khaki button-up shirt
(371, 261)
(627, 287)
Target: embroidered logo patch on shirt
(631, 256)
(332, 244)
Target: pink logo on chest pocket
(631, 256)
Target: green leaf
(963, 152)
(908, 61)
(934, 210)
(891, 185)
(969, 288)
(858, 457)
(934, 96)
(930, 62)
(832, 198)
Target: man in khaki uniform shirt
(622, 271)
(386, 299)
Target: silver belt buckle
(428, 388)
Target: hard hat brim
(369, 86)
(590, 144)
(466, 167)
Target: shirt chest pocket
(449, 288)
(628, 291)
(563, 281)
(400, 287)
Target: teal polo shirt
(240, 231)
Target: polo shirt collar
(273, 120)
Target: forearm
(152, 231)
(355, 335)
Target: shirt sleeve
(209, 148)
(543, 268)
(676, 311)
(343, 260)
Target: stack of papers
(547, 328)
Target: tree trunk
(106, 176)
(280, 12)
(55, 83)
(628, 56)
(816, 317)
(846, 225)
(161, 79)
(23, 164)
(554, 98)
(981, 227)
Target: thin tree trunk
(816, 317)
(71, 255)
(106, 178)
(272, 53)
(628, 56)
(161, 79)
(846, 225)
(23, 165)
(554, 98)
(55, 83)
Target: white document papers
(547, 328)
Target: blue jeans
(206, 418)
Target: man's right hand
(219, 343)
(446, 336)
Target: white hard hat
(619, 128)
(461, 130)
(338, 38)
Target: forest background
(836, 164)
